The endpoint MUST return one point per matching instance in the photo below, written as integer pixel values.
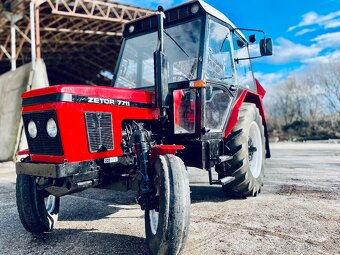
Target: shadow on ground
(85, 241)
(201, 194)
(94, 204)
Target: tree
(307, 104)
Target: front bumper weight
(57, 170)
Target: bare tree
(327, 77)
(308, 103)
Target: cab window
(219, 64)
(243, 67)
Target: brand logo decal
(109, 101)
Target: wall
(12, 85)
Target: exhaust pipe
(161, 70)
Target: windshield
(181, 45)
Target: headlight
(32, 129)
(195, 8)
(131, 28)
(51, 128)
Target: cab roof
(178, 12)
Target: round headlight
(32, 129)
(131, 28)
(51, 128)
(195, 8)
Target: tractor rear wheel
(38, 210)
(167, 227)
(246, 144)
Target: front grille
(43, 144)
(99, 131)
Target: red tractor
(183, 94)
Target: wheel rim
(50, 203)
(255, 149)
(154, 216)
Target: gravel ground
(297, 212)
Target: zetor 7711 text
(183, 95)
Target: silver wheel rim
(50, 203)
(255, 149)
(153, 221)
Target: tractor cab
(207, 69)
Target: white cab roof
(216, 13)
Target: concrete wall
(12, 85)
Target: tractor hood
(89, 94)
(88, 120)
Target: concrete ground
(297, 212)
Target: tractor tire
(167, 230)
(246, 144)
(38, 211)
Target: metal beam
(79, 31)
(33, 45)
(3, 47)
(37, 31)
(83, 29)
(5, 52)
(13, 48)
(13, 18)
(24, 38)
(93, 9)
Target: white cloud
(329, 57)
(287, 52)
(269, 79)
(307, 19)
(323, 48)
(305, 31)
(326, 48)
(333, 24)
(331, 20)
(329, 40)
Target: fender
(250, 97)
(164, 149)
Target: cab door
(220, 77)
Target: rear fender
(250, 97)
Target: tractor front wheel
(167, 226)
(38, 210)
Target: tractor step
(226, 180)
(223, 181)
(225, 158)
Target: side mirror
(266, 47)
(252, 38)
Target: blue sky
(305, 32)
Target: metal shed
(79, 40)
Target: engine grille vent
(99, 131)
